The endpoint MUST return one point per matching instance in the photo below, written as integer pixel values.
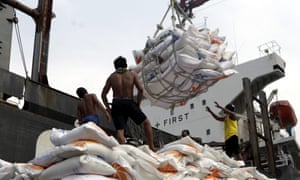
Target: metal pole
(251, 120)
(41, 44)
(267, 133)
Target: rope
(15, 20)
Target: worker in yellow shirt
(230, 120)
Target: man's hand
(208, 109)
(217, 104)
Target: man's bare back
(87, 105)
(123, 83)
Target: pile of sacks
(87, 152)
(178, 65)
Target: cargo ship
(46, 107)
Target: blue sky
(86, 37)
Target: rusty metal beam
(267, 134)
(42, 16)
(23, 8)
(251, 121)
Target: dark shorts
(122, 109)
(232, 146)
(93, 118)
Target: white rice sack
(190, 178)
(28, 170)
(121, 153)
(162, 46)
(169, 165)
(214, 48)
(76, 148)
(202, 75)
(220, 51)
(156, 102)
(212, 153)
(197, 43)
(6, 170)
(198, 172)
(204, 162)
(230, 161)
(256, 173)
(228, 55)
(195, 33)
(147, 150)
(85, 164)
(208, 154)
(175, 176)
(181, 160)
(188, 50)
(167, 53)
(208, 56)
(136, 153)
(124, 170)
(147, 171)
(22, 177)
(136, 68)
(138, 56)
(87, 131)
(187, 141)
(165, 164)
(158, 87)
(163, 35)
(221, 169)
(226, 65)
(187, 40)
(187, 63)
(182, 148)
(241, 174)
(149, 67)
(167, 63)
(172, 76)
(87, 177)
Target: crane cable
(15, 21)
(176, 9)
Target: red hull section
(283, 111)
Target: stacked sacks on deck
(86, 152)
(178, 65)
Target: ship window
(207, 131)
(203, 102)
(192, 106)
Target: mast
(42, 16)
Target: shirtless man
(86, 109)
(122, 83)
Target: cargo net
(180, 64)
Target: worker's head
(185, 132)
(81, 91)
(230, 107)
(120, 62)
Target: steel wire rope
(18, 34)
